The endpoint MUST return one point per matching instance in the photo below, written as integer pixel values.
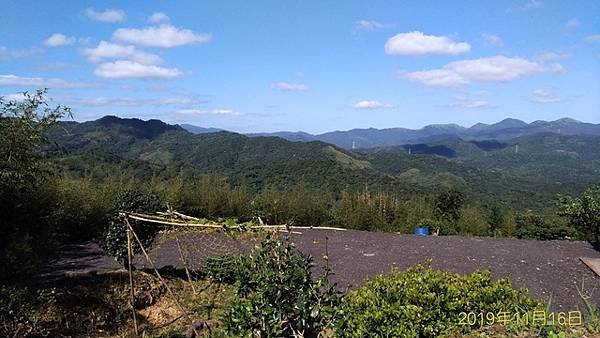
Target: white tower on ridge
(353, 145)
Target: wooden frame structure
(175, 219)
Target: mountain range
(526, 171)
(371, 138)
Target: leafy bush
(114, 241)
(422, 302)
(532, 226)
(584, 212)
(280, 298)
(448, 204)
(473, 221)
(227, 268)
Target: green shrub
(422, 302)
(114, 241)
(532, 226)
(584, 212)
(280, 297)
(227, 268)
(448, 204)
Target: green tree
(23, 128)
(26, 198)
(495, 219)
(583, 212)
(448, 205)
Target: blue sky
(314, 66)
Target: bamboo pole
(157, 220)
(160, 277)
(129, 254)
(149, 220)
(184, 261)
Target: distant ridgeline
(522, 165)
(504, 130)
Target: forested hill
(111, 145)
(544, 164)
(534, 165)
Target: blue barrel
(421, 231)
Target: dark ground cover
(550, 270)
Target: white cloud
(436, 78)
(290, 87)
(56, 66)
(551, 56)
(123, 69)
(526, 6)
(417, 43)
(158, 17)
(107, 50)
(165, 36)
(491, 69)
(572, 24)
(470, 103)
(557, 68)
(18, 97)
(544, 96)
(495, 69)
(492, 40)
(57, 40)
(10, 54)
(131, 102)
(370, 25)
(38, 82)
(217, 112)
(482, 93)
(593, 38)
(474, 104)
(533, 4)
(109, 15)
(371, 104)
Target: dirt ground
(550, 270)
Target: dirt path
(78, 259)
(550, 270)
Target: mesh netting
(184, 243)
(191, 248)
